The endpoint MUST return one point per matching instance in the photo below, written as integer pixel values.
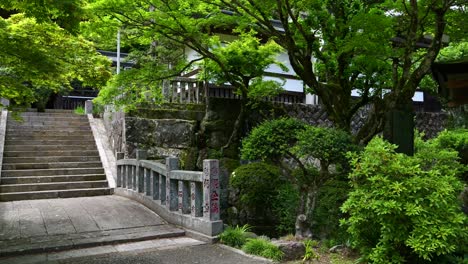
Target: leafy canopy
(39, 57)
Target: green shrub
(264, 248)
(455, 139)
(271, 139)
(404, 209)
(258, 185)
(327, 213)
(285, 205)
(79, 110)
(234, 236)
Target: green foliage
(285, 206)
(264, 248)
(37, 59)
(403, 208)
(67, 14)
(327, 214)
(455, 139)
(79, 110)
(242, 63)
(258, 185)
(234, 236)
(457, 51)
(272, 139)
(325, 144)
(309, 250)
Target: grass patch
(79, 110)
(235, 236)
(263, 248)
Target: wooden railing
(189, 90)
(186, 198)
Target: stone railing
(186, 198)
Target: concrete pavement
(163, 251)
(33, 226)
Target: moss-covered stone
(167, 114)
(188, 159)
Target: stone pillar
(211, 210)
(156, 185)
(120, 169)
(184, 197)
(4, 102)
(88, 107)
(140, 177)
(171, 185)
(196, 197)
(148, 182)
(134, 177)
(130, 177)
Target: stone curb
(240, 252)
(3, 122)
(107, 163)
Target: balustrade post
(140, 155)
(171, 185)
(184, 197)
(129, 177)
(155, 182)
(88, 107)
(120, 169)
(148, 182)
(196, 197)
(134, 177)
(211, 210)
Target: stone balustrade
(186, 198)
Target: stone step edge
(48, 183)
(53, 163)
(100, 240)
(51, 157)
(53, 176)
(32, 170)
(58, 193)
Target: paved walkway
(56, 224)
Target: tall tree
(38, 57)
(383, 48)
(193, 25)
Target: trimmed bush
(258, 185)
(405, 209)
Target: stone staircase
(51, 155)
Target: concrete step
(48, 147)
(50, 165)
(51, 172)
(11, 123)
(58, 127)
(89, 141)
(16, 196)
(167, 236)
(8, 160)
(49, 118)
(46, 133)
(49, 137)
(51, 153)
(34, 187)
(44, 179)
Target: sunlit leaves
(42, 56)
